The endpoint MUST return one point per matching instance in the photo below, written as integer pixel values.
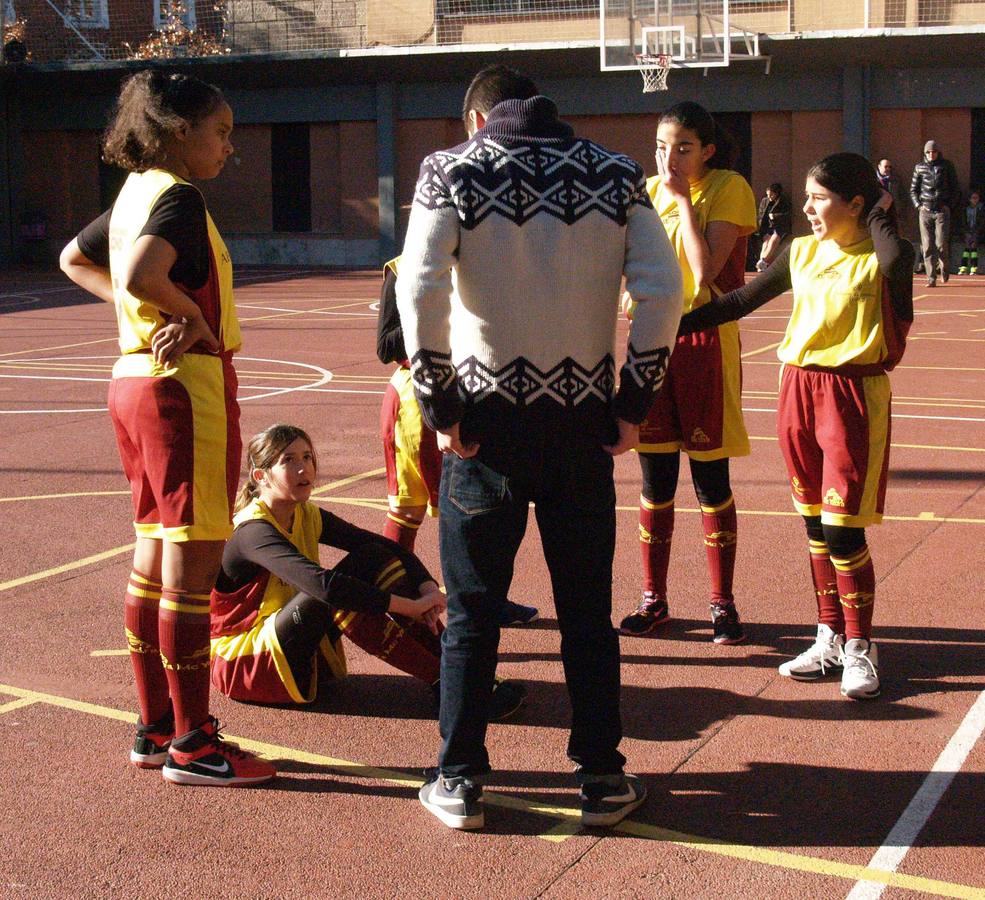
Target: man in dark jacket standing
(934, 189)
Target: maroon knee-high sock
(385, 638)
(401, 529)
(857, 592)
(720, 539)
(183, 626)
(656, 534)
(140, 612)
(829, 610)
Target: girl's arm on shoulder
(895, 256)
(742, 301)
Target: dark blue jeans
(550, 459)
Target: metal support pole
(386, 167)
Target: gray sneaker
(455, 801)
(606, 804)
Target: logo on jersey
(859, 295)
(831, 272)
(833, 498)
(796, 485)
(699, 437)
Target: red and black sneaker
(150, 747)
(203, 757)
(651, 612)
(726, 625)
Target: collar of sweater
(535, 119)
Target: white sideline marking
(906, 830)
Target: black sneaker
(516, 614)
(945, 273)
(507, 698)
(455, 801)
(651, 612)
(606, 804)
(150, 746)
(725, 621)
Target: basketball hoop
(654, 68)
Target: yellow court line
(568, 816)
(100, 653)
(899, 368)
(17, 704)
(342, 482)
(116, 551)
(923, 337)
(299, 312)
(374, 503)
(753, 437)
(59, 347)
(765, 349)
(68, 567)
(920, 517)
(63, 496)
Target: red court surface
(759, 787)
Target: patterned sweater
(511, 272)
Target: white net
(94, 30)
(654, 70)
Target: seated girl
(278, 616)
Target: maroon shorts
(699, 407)
(834, 433)
(179, 441)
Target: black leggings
(304, 621)
(661, 470)
(842, 540)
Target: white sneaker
(860, 680)
(825, 653)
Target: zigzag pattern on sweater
(485, 177)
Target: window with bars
(88, 13)
(514, 7)
(174, 11)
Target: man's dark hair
(493, 85)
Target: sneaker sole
(505, 715)
(148, 760)
(728, 640)
(459, 823)
(519, 623)
(813, 676)
(600, 820)
(653, 626)
(193, 779)
(861, 695)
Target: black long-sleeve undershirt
(389, 331)
(894, 254)
(258, 545)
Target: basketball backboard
(693, 33)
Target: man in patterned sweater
(508, 292)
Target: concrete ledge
(301, 250)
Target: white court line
(909, 825)
(307, 390)
(305, 312)
(325, 376)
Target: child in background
(278, 615)
(972, 224)
(708, 211)
(157, 255)
(410, 450)
(852, 309)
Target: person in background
(934, 190)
